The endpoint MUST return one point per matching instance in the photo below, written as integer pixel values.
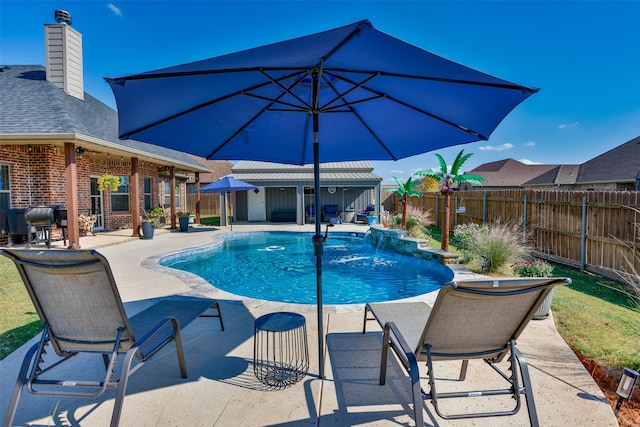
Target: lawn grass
(19, 321)
(597, 319)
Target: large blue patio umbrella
(225, 185)
(351, 93)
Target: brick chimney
(64, 55)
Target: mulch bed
(607, 379)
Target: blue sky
(583, 55)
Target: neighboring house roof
(509, 173)
(219, 169)
(329, 172)
(32, 107)
(559, 175)
(620, 164)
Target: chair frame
(160, 324)
(427, 347)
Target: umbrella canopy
(365, 94)
(227, 184)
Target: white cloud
(397, 171)
(115, 9)
(530, 162)
(502, 147)
(529, 144)
(568, 125)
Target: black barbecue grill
(42, 218)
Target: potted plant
(108, 181)
(536, 268)
(183, 219)
(371, 218)
(149, 223)
(192, 217)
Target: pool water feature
(280, 266)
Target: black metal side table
(280, 350)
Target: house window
(167, 194)
(147, 194)
(120, 197)
(5, 193)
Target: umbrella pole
(318, 239)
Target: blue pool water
(280, 266)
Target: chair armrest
(391, 336)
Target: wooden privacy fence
(209, 204)
(593, 230)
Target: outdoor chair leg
(463, 370)
(17, 389)
(526, 383)
(215, 306)
(122, 387)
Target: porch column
(378, 190)
(301, 216)
(172, 195)
(71, 178)
(223, 209)
(134, 202)
(197, 197)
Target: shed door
(256, 205)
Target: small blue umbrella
(370, 95)
(228, 184)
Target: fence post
(455, 222)
(484, 209)
(524, 221)
(437, 211)
(583, 232)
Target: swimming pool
(280, 266)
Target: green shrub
(417, 222)
(465, 238)
(532, 268)
(501, 245)
(498, 245)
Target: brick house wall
(37, 177)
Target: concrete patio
(221, 389)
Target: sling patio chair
(328, 212)
(473, 319)
(76, 297)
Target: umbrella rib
(421, 111)
(295, 108)
(355, 113)
(243, 127)
(505, 85)
(199, 106)
(354, 87)
(287, 90)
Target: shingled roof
(620, 164)
(509, 173)
(34, 107)
(559, 175)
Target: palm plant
(406, 190)
(446, 178)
